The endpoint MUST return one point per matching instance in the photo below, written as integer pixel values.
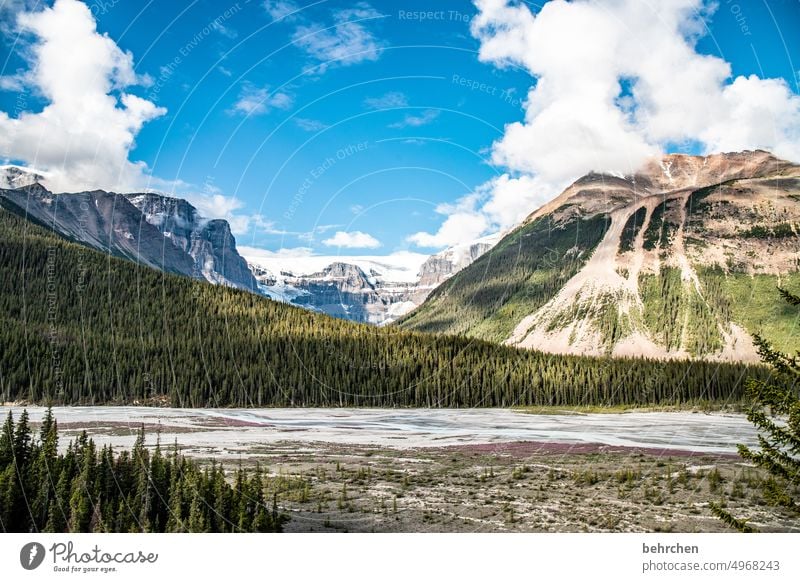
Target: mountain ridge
(176, 240)
(662, 285)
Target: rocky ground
(518, 487)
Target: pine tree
(197, 519)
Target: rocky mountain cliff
(209, 242)
(158, 231)
(681, 259)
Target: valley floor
(413, 470)
(517, 487)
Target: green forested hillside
(78, 326)
(522, 273)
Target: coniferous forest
(82, 327)
(89, 490)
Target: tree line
(86, 489)
(81, 327)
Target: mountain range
(81, 326)
(169, 234)
(679, 260)
(376, 290)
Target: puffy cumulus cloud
(499, 204)
(615, 82)
(509, 200)
(352, 240)
(84, 134)
(763, 112)
(583, 54)
(457, 228)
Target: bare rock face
(160, 232)
(344, 291)
(174, 217)
(674, 261)
(341, 290)
(210, 243)
(214, 251)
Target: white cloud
(766, 114)
(258, 100)
(509, 200)
(84, 134)
(574, 119)
(225, 31)
(311, 235)
(615, 83)
(310, 125)
(256, 255)
(346, 41)
(389, 100)
(10, 9)
(424, 118)
(457, 228)
(352, 240)
(464, 222)
(213, 204)
(497, 205)
(12, 82)
(280, 9)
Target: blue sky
(391, 138)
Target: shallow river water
(232, 431)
